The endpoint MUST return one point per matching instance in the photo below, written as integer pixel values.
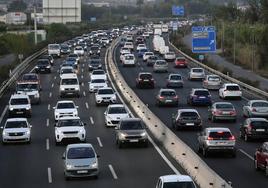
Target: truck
(31, 89)
(54, 50)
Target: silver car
(196, 74)
(80, 160)
(174, 80)
(212, 82)
(256, 108)
(217, 139)
(222, 111)
(160, 66)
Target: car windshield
(179, 185)
(80, 153)
(98, 81)
(66, 71)
(21, 101)
(198, 70)
(29, 77)
(43, 62)
(16, 124)
(161, 63)
(94, 62)
(260, 104)
(27, 87)
(189, 114)
(69, 81)
(146, 76)
(220, 134)
(214, 78)
(65, 105)
(224, 106)
(175, 77)
(71, 59)
(100, 72)
(168, 93)
(201, 93)
(105, 91)
(129, 57)
(233, 88)
(94, 48)
(259, 124)
(117, 110)
(69, 123)
(131, 125)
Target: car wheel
(246, 138)
(199, 150)
(256, 165)
(234, 154)
(67, 178)
(204, 152)
(266, 170)
(213, 119)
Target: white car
(19, 105)
(16, 130)
(105, 41)
(69, 85)
(163, 50)
(212, 82)
(170, 56)
(146, 34)
(196, 73)
(98, 74)
(146, 55)
(114, 113)
(65, 108)
(230, 90)
(124, 50)
(70, 128)
(66, 70)
(175, 181)
(123, 55)
(140, 47)
(79, 50)
(129, 60)
(105, 95)
(96, 84)
(129, 45)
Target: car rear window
(175, 77)
(259, 124)
(168, 93)
(220, 134)
(189, 114)
(146, 76)
(80, 153)
(161, 62)
(214, 78)
(233, 88)
(178, 185)
(201, 93)
(197, 70)
(224, 106)
(259, 104)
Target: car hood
(16, 130)
(81, 163)
(65, 110)
(133, 132)
(73, 128)
(117, 116)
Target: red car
(261, 158)
(180, 62)
(145, 80)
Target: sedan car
(96, 84)
(43, 66)
(80, 160)
(16, 130)
(167, 97)
(222, 111)
(65, 109)
(256, 108)
(212, 82)
(174, 81)
(94, 64)
(129, 60)
(79, 50)
(105, 95)
(254, 128)
(196, 74)
(175, 181)
(186, 118)
(145, 80)
(160, 66)
(199, 97)
(114, 113)
(98, 74)
(230, 90)
(180, 62)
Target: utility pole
(222, 37)
(35, 24)
(234, 45)
(253, 52)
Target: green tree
(264, 10)
(18, 5)
(58, 31)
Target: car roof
(115, 105)
(68, 118)
(197, 68)
(165, 89)
(79, 145)
(66, 101)
(199, 89)
(222, 103)
(176, 178)
(68, 76)
(252, 101)
(145, 73)
(174, 74)
(187, 110)
(257, 119)
(19, 96)
(231, 84)
(215, 129)
(16, 119)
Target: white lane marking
(47, 122)
(86, 105)
(82, 84)
(113, 172)
(245, 98)
(245, 153)
(32, 70)
(91, 120)
(55, 77)
(82, 70)
(52, 85)
(99, 141)
(50, 95)
(3, 113)
(47, 144)
(150, 139)
(142, 68)
(82, 76)
(49, 174)
(84, 93)
(48, 106)
(83, 65)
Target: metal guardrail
(18, 70)
(243, 85)
(203, 175)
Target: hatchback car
(222, 111)
(129, 60)
(256, 108)
(212, 82)
(65, 109)
(105, 95)
(199, 97)
(114, 113)
(254, 128)
(167, 97)
(175, 181)
(151, 60)
(174, 81)
(196, 74)
(230, 90)
(145, 80)
(96, 84)
(261, 158)
(160, 66)
(80, 160)
(180, 62)
(217, 139)
(186, 118)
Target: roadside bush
(249, 82)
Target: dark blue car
(141, 52)
(199, 97)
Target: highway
(240, 170)
(40, 164)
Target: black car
(254, 128)
(48, 57)
(94, 50)
(65, 49)
(145, 80)
(43, 66)
(94, 64)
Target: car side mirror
(1, 127)
(116, 128)
(63, 156)
(54, 107)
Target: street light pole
(35, 24)
(234, 45)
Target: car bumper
(111, 123)
(133, 141)
(201, 102)
(225, 117)
(20, 112)
(180, 65)
(70, 137)
(258, 114)
(160, 69)
(168, 103)
(221, 149)
(69, 92)
(13, 139)
(175, 84)
(77, 173)
(104, 101)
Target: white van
(69, 85)
(54, 50)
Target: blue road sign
(177, 10)
(203, 39)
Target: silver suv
(131, 130)
(216, 140)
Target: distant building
(39, 18)
(3, 7)
(61, 11)
(99, 4)
(16, 18)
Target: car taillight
(176, 97)
(233, 112)
(161, 97)
(217, 112)
(249, 128)
(210, 138)
(232, 138)
(254, 110)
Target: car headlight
(98, 51)
(76, 88)
(81, 131)
(57, 113)
(11, 109)
(36, 67)
(62, 89)
(58, 132)
(4, 133)
(94, 165)
(68, 166)
(143, 134)
(123, 135)
(28, 132)
(48, 67)
(27, 108)
(90, 51)
(113, 97)
(36, 95)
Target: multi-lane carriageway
(240, 170)
(39, 164)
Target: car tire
(234, 154)
(256, 166)
(205, 152)
(246, 138)
(266, 170)
(213, 119)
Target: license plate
(190, 124)
(202, 97)
(225, 113)
(133, 140)
(82, 171)
(19, 112)
(168, 100)
(260, 130)
(106, 100)
(146, 80)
